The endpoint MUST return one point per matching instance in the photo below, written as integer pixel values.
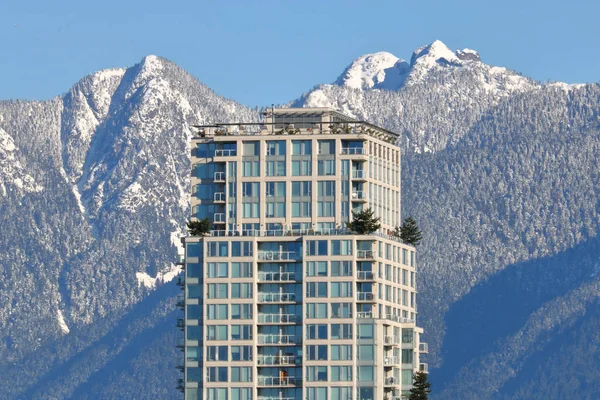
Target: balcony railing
(225, 152)
(359, 174)
(364, 275)
(277, 318)
(391, 381)
(276, 297)
(397, 318)
(272, 381)
(423, 348)
(219, 197)
(180, 301)
(219, 177)
(424, 367)
(365, 254)
(277, 360)
(391, 340)
(354, 150)
(277, 255)
(391, 360)
(359, 195)
(219, 218)
(276, 276)
(365, 296)
(365, 315)
(277, 339)
(276, 398)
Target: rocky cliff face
(499, 171)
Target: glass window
(341, 374)
(301, 167)
(216, 311)
(326, 147)
(326, 167)
(216, 374)
(341, 331)
(275, 210)
(301, 147)
(276, 147)
(366, 352)
(241, 353)
(407, 356)
(218, 249)
(316, 289)
(251, 148)
(241, 290)
(341, 289)
(250, 168)
(316, 374)
(251, 210)
(242, 269)
(326, 209)
(194, 374)
(366, 331)
(316, 393)
(241, 374)
(301, 209)
(251, 189)
(341, 268)
(316, 331)
(407, 377)
(301, 188)
(326, 188)
(241, 332)
(316, 352)
(217, 353)
(241, 394)
(194, 291)
(341, 352)
(341, 310)
(316, 248)
(341, 248)
(365, 373)
(275, 189)
(217, 290)
(194, 311)
(216, 332)
(275, 168)
(316, 310)
(342, 393)
(316, 268)
(241, 311)
(193, 353)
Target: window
(301, 167)
(316, 331)
(365, 331)
(316, 393)
(241, 332)
(316, 248)
(241, 249)
(275, 168)
(217, 290)
(341, 248)
(407, 356)
(217, 353)
(242, 269)
(341, 352)
(216, 374)
(241, 374)
(275, 210)
(407, 377)
(250, 210)
(341, 393)
(241, 353)
(326, 209)
(316, 268)
(216, 393)
(301, 208)
(341, 310)
(251, 189)
(365, 373)
(316, 289)
(407, 335)
(326, 167)
(316, 310)
(302, 188)
(366, 352)
(241, 311)
(275, 189)
(217, 249)
(250, 168)
(217, 311)
(341, 289)
(194, 311)
(326, 147)
(194, 291)
(316, 352)
(325, 188)
(341, 374)
(216, 332)
(341, 331)
(194, 375)
(241, 394)
(241, 290)
(316, 374)
(341, 268)
(193, 353)
(276, 147)
(301, 147)
(251, 148)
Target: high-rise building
(281, 300)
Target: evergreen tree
(421, 387)
(410, 232)
(199, 228)
(364, 222)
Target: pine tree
(410, 232)
(364, 222)
(199, 228)
(421, 387)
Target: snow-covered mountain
(94, 189)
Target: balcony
(180, 281)
(180, 323)
(219, 177)
(225, 153)
(277, 339)
(354, 151)
(180, 344)
(365, 296)
(272, 381)
(364, 315)
(391, 360)
(180, 259)
(277, 255)
(391, 340)
(359, 175)
(180, 384)
(276, 297)
(397, 318)
(276, 276)
(424, 367)
(365, 254)
(391, 381)
(218, 218)
(219, 197)
(365, 275)
(277, 318)
(180, 301)
(278, 360)
(277, 398)
(423, 348)
(359, 196)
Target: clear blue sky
(263, 52)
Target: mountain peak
(434, 53)
(372, 71)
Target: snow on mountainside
(14, 175)
(433, 101)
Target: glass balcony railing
(276, 276)
(219, 177)
(424, 367)
(365, 296)
(277, 318)
(359, 195)
(353, 150)
(359, 174)
(273, 381)
(391, 381)
(391, 360)
(364, 275)
(364, 315)
(219, 218)
(277, 339)
(277, 360)
(276, 297)
(219, 197)
(225, 152)
(391, 340)
(423, 348)
(365, 254)
(277, 255)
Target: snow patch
(162, 277)
(379, 70)
(78, 198)
(61, 322)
